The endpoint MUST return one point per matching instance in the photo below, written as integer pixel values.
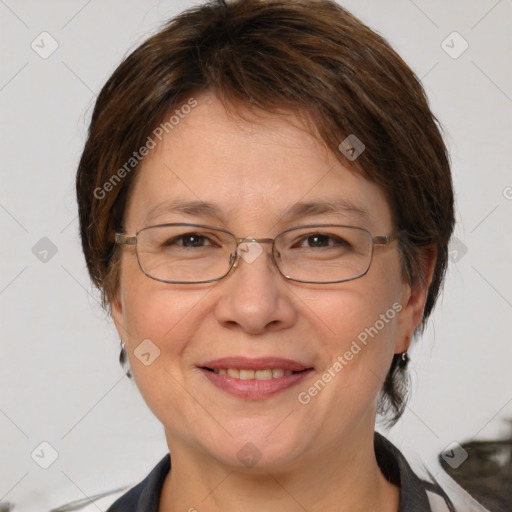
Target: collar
(145, 496)
(397, 470)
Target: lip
(255, 389)
(261, 363)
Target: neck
(346, 478)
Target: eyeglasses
(195, 253)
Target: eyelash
(332, 240)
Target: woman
(265, 203)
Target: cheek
(350, 312)
(162, 315)
(159, 321)
(358, 329)
(360, 356)
(160, 324)
(150, 308)
(356, 338)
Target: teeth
(263, 374)
(267, 374)
(246, 374)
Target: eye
(318, 240)
(315, 240)
(189, 240)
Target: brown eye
(318, 241)
(192, 240)
(321, 240)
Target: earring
(404, 359)
(123, 361)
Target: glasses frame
(124, 239)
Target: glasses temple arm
(121, 238)
(386, 239)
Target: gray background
(60, 379)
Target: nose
(255, 297)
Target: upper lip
(261, 363)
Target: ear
(116, 310)
(413, 302)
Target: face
(338, 339)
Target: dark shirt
(145, 496)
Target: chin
(255, 452)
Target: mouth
(254, 379)
(246, 374)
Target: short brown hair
(307, 56)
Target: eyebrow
(298, 210)
(192, 208)
(344, 206)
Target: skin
(318, 456)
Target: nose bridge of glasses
(249, 239)
(249, 249)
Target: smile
(254, 379)
(267, 374)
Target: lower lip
(254, 389)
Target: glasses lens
(324, 254)
(184, 253)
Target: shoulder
(422, 487)
(145, 496)
(128, 502)
(441, 487)
(142, 497)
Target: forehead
(262, 169)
